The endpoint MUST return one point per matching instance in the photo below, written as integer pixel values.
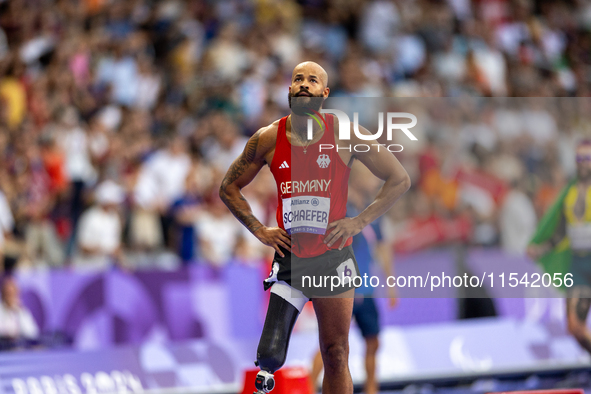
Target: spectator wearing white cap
(99, 231)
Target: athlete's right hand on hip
(274, 237)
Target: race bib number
(347, 270)
(306, 214)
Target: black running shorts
(329, 274)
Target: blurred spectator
(186, 210)
(15, 320)
(99, 232)
(226, 54)
(226, 143)
(73, 140)
(120, 71)
(517, 219)
(161, 181)
(148, 85)
(379, 21)
(6, 226)
(38, 195)
(13, 94)
(219, 234)
(54, 164)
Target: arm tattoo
(238, 204)
(248, 219)
(246, 158)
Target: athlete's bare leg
(371, 349)
(577, 308)
(334, 319)
(371, 383)
(315, 372)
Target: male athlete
(572, 230)
(313, 234)
(370, 248)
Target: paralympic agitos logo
(345, 129)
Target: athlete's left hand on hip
(342, 228)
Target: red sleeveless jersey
(311, 188)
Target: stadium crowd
(118, 118)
